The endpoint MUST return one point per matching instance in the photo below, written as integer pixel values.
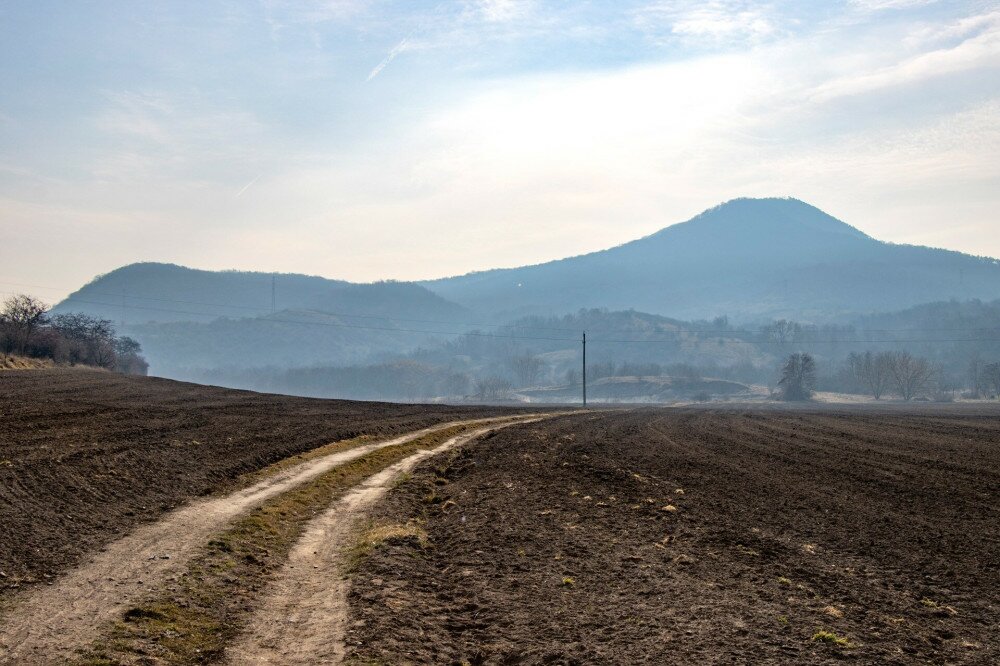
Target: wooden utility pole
(585, 368)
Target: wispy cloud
(882, 5)
(174, 135)
(939, 32)
(499, 11)
(717, 21)
(558, 127)
(395, 51)
(981, 50)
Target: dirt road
(87, 456)
(303, 618)
(49, 623)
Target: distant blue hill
(747, 258)
(750, 259)
(186, 318)
(153, 292)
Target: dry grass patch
(191, 619)
(319, 452)
(824, 636)
(23, 363)
(375, 535)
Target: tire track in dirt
(788, 533)
(303, 618)
(46, 625)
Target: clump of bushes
(27, 329)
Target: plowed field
(696, 536)
(86, 456)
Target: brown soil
(302, 618)
(698, 535)
(54, 621)
(87, 456)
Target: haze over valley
(703, 298)
(496, 332)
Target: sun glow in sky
(373, 139)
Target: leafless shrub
(871, 370)
(21, 316)
(526, 368)
(911, 375)
(493, 389)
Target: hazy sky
(363, 139)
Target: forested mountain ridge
(154, 292)
(743, 263)
(747, 258)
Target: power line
(567, 340)
(265, 310)
(793, 343)
(332, 324)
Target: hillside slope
(152, 292)
(290, 338)
(186, 318)
(89, 455)
(747, 258)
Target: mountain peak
(770, 215)
(748, 258)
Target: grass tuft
(831, 638)
(375, 536)
(191, 619)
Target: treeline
(878, 374)
(27, 329)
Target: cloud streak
(395, 51)
(247, 186)
(522, 131)
(980, 51)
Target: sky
(367, 139)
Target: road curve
(47, 625)
(302, 619)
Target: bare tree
(910, 374)
(872, 370)
(21, 315)
(91, 339)
(128, 357)
(989, 378)
(493, 389)
(782, 331)
(798, 377)
(978, 379)
(456, 384)
(526, 368)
